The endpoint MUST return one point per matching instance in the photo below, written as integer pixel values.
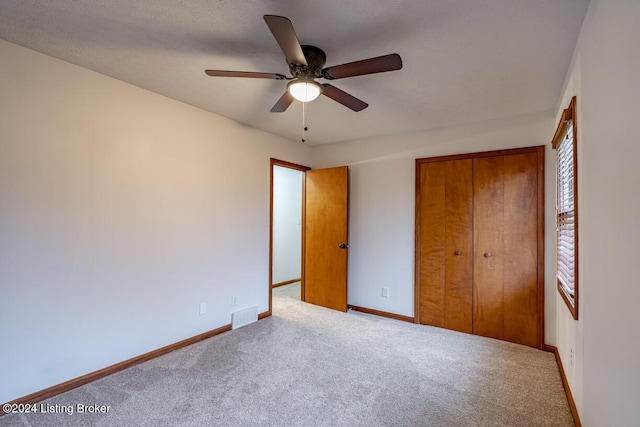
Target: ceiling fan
(306, 64)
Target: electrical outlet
(571, 356)
(234, 301)
(385, 292)
(203, 308)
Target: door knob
(343, 245)
(458, 252)
(488, 254)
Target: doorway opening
(286, 285)
(322, 197)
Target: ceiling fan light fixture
(304, 90)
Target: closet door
(480, 244)
(506, 219)
(445, 244)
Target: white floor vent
(244, 317)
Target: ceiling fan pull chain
(304, 120)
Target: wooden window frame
(568, 119)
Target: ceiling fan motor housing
(316, 58)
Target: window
(564, 142)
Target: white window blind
(566, 214)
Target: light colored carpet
(309, 366)
(284, 295)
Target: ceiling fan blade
(343, 98)
(283, 103)
(285, 35)
(380, 64)
(250, 74)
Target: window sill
(569, 300)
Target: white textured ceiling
(464, 60)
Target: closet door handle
(488, 254)
(458, 252)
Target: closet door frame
(539, 150)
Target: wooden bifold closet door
(479, 244)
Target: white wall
(287, 218)
(382, 203)
(120, 211)
(604, 77)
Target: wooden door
(480, 244)
(505, 283)
(325, 266)
(445, 236)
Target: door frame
(303, 169)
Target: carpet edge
(565, 384)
